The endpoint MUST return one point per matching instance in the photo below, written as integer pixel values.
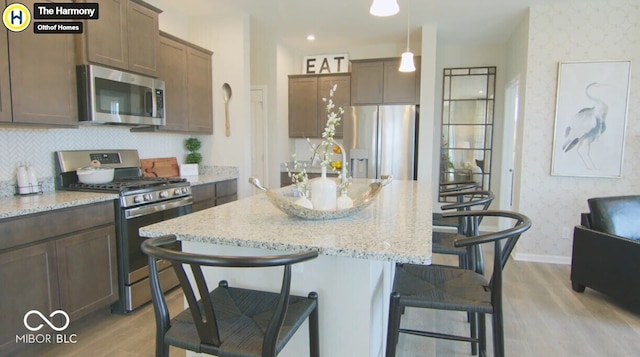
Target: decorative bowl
(361, 194)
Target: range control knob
(138, 199)
(177, 191)
(163, 194)
(185, 190)
(147, 197)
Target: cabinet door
(29, 281)
(5, 88)
(172, 64)
(43, 77)
(199, 91)
(142, 37)
(366, 82)
(87, 271)
(107, 37)
(341, 98)
(399, 87)
(204, 196)
(303, 107)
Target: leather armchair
(606, 249)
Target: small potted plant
(194, 158)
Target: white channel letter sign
(325, 64)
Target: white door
(259, 135)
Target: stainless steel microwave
(110, 96)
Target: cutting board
(160, 167)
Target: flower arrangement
(333, 120)
(299, 179)
(321, 152)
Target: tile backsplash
(36, 146)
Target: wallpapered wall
(36, 146)
(588, 30)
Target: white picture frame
(591, 118)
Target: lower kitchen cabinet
(214, 194)
(285, 180)
(96, 284)
(60, 260)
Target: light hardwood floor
(543, 317)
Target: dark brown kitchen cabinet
(125, 36)
(307, 110)
(42, 78)
(96, 284)
(58, 260)
(378, 81)
(214, 194)
(199, 90)
(303, 106)
(5, 87)
(186, 71)
(29, 281)
(366, 82)
(285, 180)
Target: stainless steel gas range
(142, 201)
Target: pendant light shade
(406, 63)
(384, 7)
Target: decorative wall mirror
(468, 101)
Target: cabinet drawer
(35, 227)
(203, 192)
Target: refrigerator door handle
(378, 130)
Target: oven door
(136, 283)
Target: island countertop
(395, 227)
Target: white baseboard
(552, 259)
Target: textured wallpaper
(588, 30)
(36, 146)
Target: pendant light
(406, 63)
(384, 7)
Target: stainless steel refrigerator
(381, 140)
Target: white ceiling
(342, 23)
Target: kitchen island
(353, 273)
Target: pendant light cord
(408, 19)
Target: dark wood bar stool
(457, 289)
(229, 321)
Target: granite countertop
(14, 206)
(396, 227)
(22, 205)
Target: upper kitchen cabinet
(186, 71)
(378, 81)
(125, 37)
(5, 86)
(307, 109)
(42, 78)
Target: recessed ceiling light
(311, 37)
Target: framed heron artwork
(591, 118)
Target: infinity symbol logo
(44, 318)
